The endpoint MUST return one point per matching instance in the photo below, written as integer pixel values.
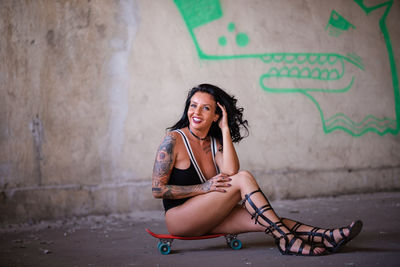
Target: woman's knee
(245, 174)
(244, 177)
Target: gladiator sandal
(277, 229)
(328, 235)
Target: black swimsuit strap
(214, 152)
(191, 156)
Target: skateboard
(165, 241)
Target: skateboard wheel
(164, 249)
(235, 244)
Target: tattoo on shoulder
(220, 148)
(164, 157)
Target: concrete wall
(88, 88)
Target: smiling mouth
(310, 70)
(196, 120)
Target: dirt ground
(120, 239)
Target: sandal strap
(269, 230)
(289, 245)
(342, 233)
(247, 196)
(296, 226)
(258, 212)
(330, 238)
(311, 234)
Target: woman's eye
(206, 108)
(193, 106)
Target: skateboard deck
(165, 240)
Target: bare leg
(238, 221)
(202, 214)
(216, 211)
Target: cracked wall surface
(87, 89)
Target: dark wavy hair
(235, 114)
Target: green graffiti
(337, 24)
(222, 41)
(231, 27)
(322, 67)
(241, 38)
(199, 12)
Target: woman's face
(201, 112)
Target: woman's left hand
(223, 122)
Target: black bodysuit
(190, 176)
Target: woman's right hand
(218, 183)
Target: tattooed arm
(165, 160)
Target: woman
(196, 172)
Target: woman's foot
(332, 239)
(290, 244)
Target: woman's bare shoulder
(172, 135)
(173, 138)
